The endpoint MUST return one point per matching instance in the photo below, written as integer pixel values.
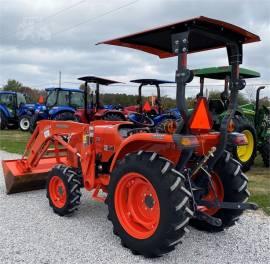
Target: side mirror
(41, 100)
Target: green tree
(12, 85)
(242, 99)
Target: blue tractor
(14, 111)
(60, 104)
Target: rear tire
(63, 190)
(169, 198)
(245, 154)
(3, 121)
(24, 122)
(33, 123)
(265, 152)
(234, 183)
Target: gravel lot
(31, 233)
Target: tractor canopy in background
(14, 111)
(245, 118)
(93, 109)
(160, 118)
(156, 184)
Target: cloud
(36, 43)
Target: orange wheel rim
(137, 205)
(57, 191)
(212, 195)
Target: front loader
(155, 182)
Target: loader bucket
(19, 180)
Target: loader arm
(50, 144)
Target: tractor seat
(216, 106)
(126, 130)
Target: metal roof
(95, 79)
(151, 81)
(158, 41)
(220, 73)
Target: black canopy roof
(150, 81)
(95, 79)
(158, 41)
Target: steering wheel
(141, 120)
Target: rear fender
(162, 144)
(57, 110)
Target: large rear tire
(265, 152)
(232, 187)
(63, 190)
(148, 204)
(3, 121)
(245, 154)
(33, 123)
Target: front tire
(148, 204)
(63, 190)
(231, 187)
(24, 122)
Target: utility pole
(59, 79)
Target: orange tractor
(154, 183)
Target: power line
(96, 17)
(50, 16)
(88, 20)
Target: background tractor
(60, 104)
(93, 109)
(155, 112)
(243, 120)
(14, 111)
(260, 117)
(155, 182)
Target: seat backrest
(216, 106)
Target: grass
(259, 185)
(13, 141)
(259, 177)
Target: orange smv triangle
(201, 120)
(147, 107)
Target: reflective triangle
(201, 118)
(147, 107)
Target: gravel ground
(31, 233)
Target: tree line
(32, 96)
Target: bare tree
(250, 91)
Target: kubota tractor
(94, 110)
(155, 183)
(243, 121)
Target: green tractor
(249, 119)
(260, 116)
